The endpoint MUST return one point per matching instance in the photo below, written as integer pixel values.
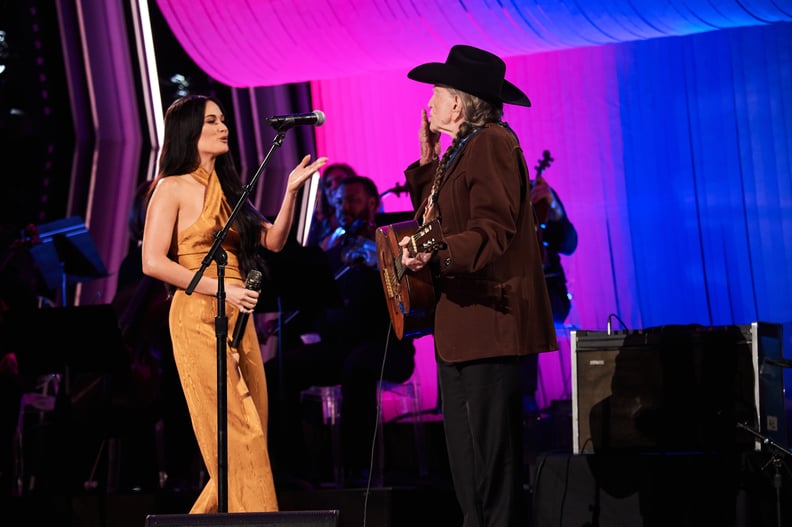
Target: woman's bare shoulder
(175, 186)
(176, 182)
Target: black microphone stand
(775, 460)
(217, 253)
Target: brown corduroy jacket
(491, 293)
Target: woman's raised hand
(303, 172)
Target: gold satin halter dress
(192, 326)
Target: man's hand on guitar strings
(416, 262)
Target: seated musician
(344, 344)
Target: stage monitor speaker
(683, 490)
(317, 518)
(678, 388)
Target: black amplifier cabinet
(680, 388)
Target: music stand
(387, 218)
(301, 280)
(66, 254)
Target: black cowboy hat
(474, 71)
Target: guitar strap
(432, 200)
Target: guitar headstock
(427, 239)
(544, 163)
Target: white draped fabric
(264, 43)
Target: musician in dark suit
(493, 308)
(343, 344)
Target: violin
(359, 249)
(356, 243)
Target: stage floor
(563, 490)
(569, 490)
(381, 507)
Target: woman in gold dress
(195, 192)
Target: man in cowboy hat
(492, 303)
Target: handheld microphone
(253, 283)
(283, 122)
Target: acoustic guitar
(410, 295)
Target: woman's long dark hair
(184, 122)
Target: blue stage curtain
(707, 141)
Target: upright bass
(542, 209)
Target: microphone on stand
(283, 122)
(253, 283)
